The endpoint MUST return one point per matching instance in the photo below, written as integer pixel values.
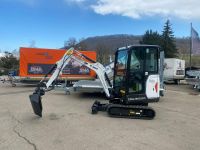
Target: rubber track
(131, 107)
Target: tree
(152, 38)
(71, 42)
(15, 53)
(9, 61)
(82, 44)
(168, 41)
(102, 54)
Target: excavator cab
(138, 80)
(136, 74)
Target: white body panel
(174, 69)
(153, 87)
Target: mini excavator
(137, 81)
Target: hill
(106, 45)
(112, 42)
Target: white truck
(174, 69)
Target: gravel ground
(68, 124)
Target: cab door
(143, 74)
(120, 73)
(136, 73)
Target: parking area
(67, 122)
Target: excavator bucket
(36, 103)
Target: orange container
(36, 62)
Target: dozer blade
(130, 111)
(36, 103)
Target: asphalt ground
(67, 122)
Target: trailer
(193, 78)
(35, 62)
(91, 86)
(174, 70)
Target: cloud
(184, 9)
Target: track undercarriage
(124, 111)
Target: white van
(174, 69)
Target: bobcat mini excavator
(137, 81)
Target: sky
(49, 23)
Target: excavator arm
(70, 54)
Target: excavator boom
(42, 87)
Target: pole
(190, 46)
